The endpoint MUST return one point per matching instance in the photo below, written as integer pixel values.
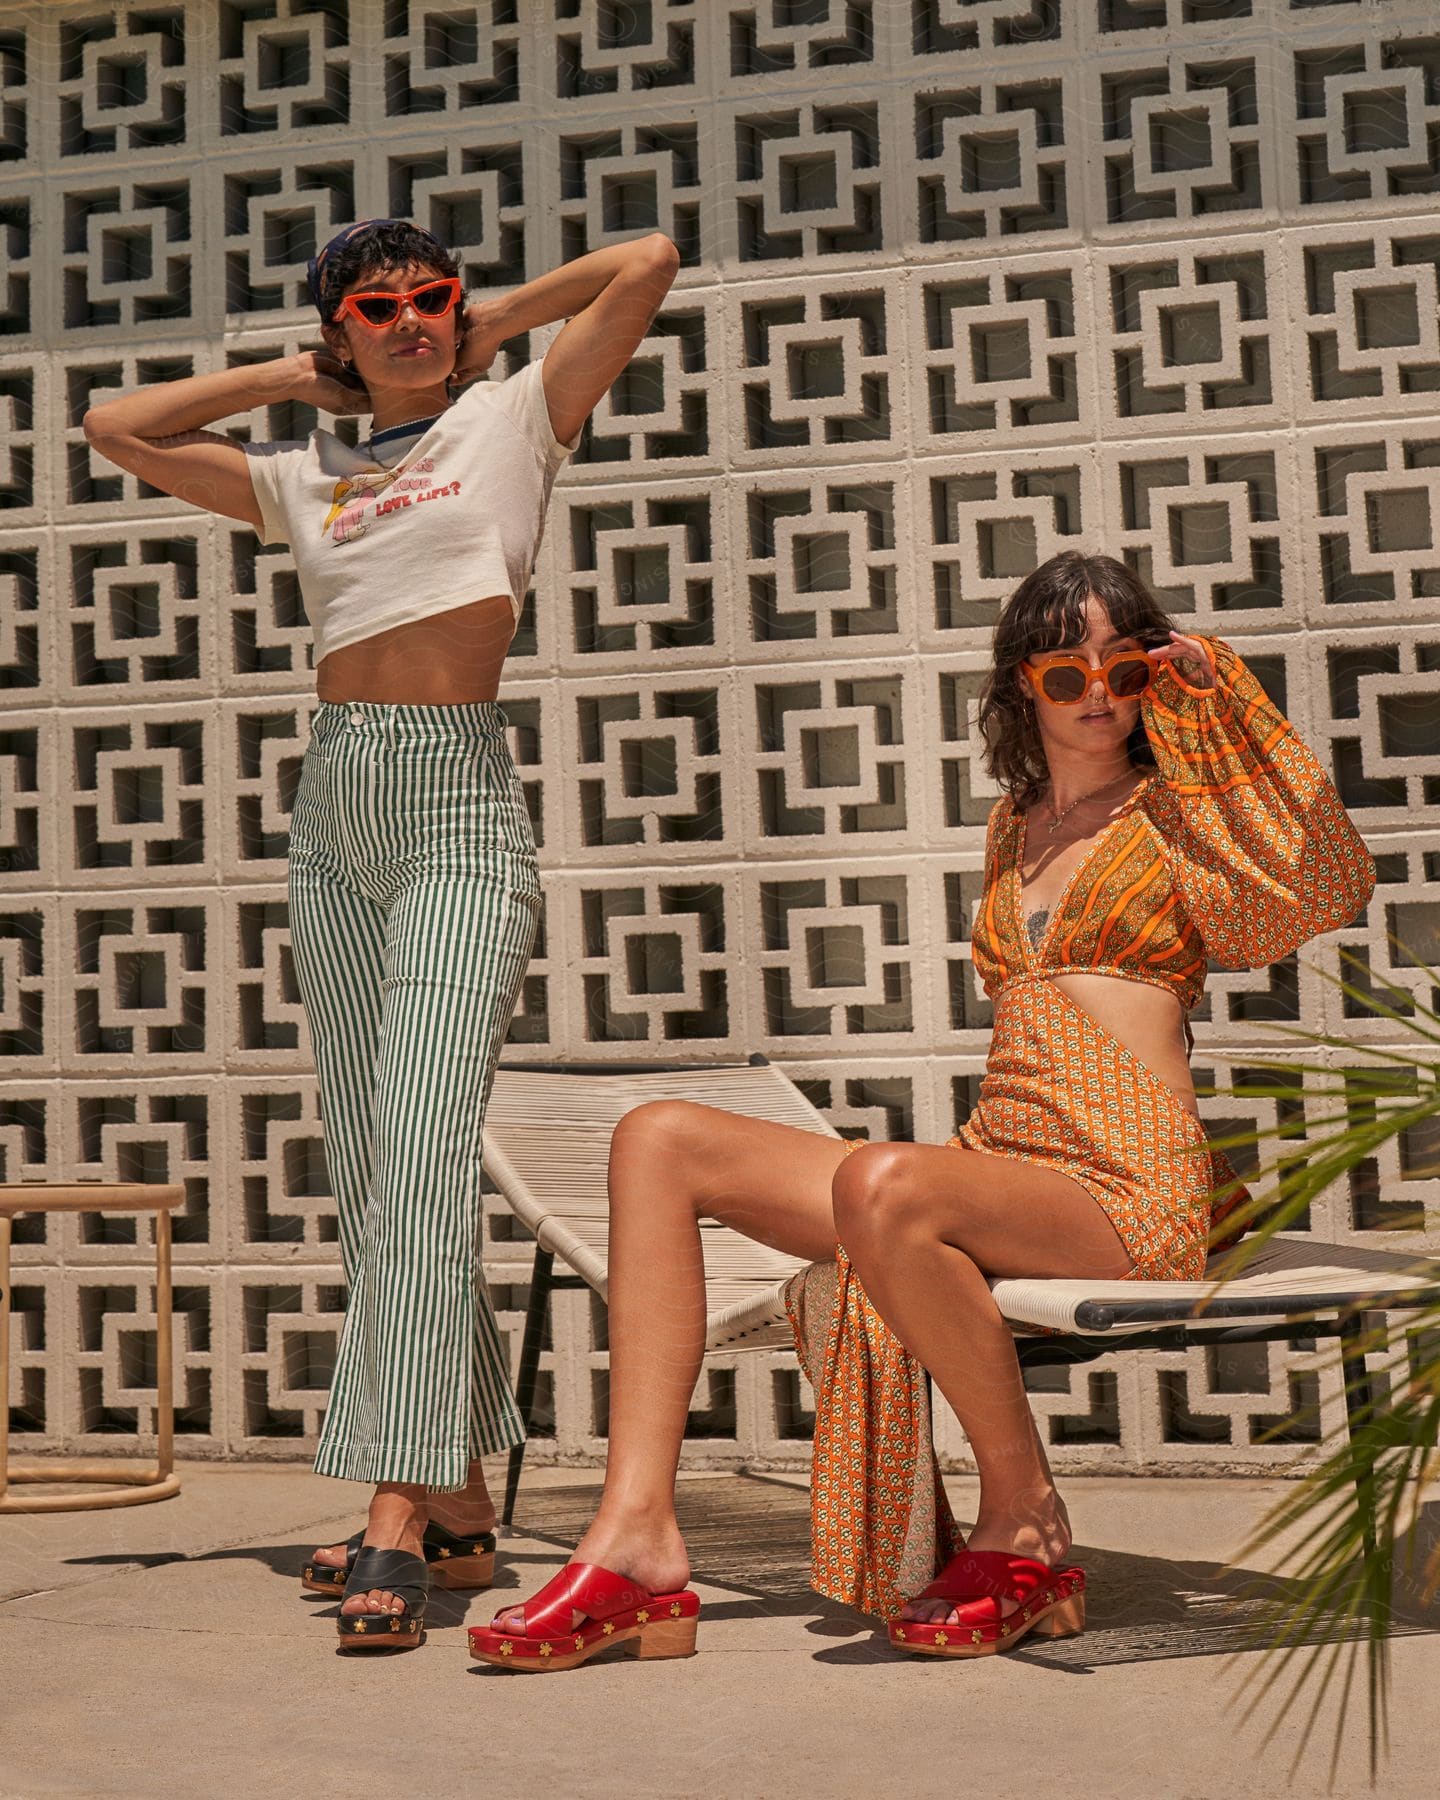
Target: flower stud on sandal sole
(611, 1609)
(455, 1559)
(1049, 1602)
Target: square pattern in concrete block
(963, 283)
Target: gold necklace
(1058, 819)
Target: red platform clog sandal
(613, 1610)
(1049, 1602)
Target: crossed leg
(920, 1224)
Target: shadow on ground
(751, 1537)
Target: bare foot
(1042, 1531)
(397, 1522)
(649, 1550)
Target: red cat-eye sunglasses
(431, 300)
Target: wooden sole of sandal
(664, 1638)
(464, 1572)
(380, 1633)
(1065, 1619)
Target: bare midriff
(1147, 1020)
(453, 658)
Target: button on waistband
(356, 716)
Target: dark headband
(315, 268)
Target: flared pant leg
(410, 970)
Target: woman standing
(1157, 811)
(414, 890)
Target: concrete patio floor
(167, 1649)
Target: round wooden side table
(120, 1486)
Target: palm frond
(1336, 1593)
(1296, 1188)
(1412, 1007)
(1323, 1040)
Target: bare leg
(672, 1163)
(924, 1227)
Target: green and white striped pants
(414, 897)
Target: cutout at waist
(1144, 1018)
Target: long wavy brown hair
(1047, 612)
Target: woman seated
(1157, 812)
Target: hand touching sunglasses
(1064, 677)
(431, 300)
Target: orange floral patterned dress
(1236, 849)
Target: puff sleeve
(1257, 839)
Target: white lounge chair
(547, 1142)
(547, 1146)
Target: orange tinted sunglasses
(1064, 679)
(431, 300)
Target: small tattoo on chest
(1035, 924)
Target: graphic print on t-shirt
(357, 495)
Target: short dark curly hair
(1047, 612)
(386, 245)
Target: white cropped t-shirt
(425, 523)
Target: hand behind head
(479, 343)
(324, 382)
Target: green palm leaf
(1334, 1594)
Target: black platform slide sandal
(456, 1560)
(460, 1560)
(386, 1571)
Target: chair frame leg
(5, 1308)
(542, 1275)
(118, 1487)
(164, 1349)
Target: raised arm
(156, 432)
(609, 298)
(1257, 839)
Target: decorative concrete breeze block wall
(964, 282)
